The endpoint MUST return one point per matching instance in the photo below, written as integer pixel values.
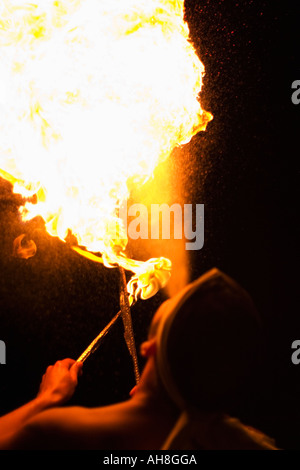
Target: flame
(93, 95)
(25, 250)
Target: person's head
(205, 341)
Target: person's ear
(148, 348)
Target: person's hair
(207, 347)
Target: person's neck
(151, 393)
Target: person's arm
(57, 386)
(75, 427)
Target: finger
(79, 367)
(66, 363)
(49, 368)
(76, 370)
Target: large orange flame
(93, 95)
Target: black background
(244, 169)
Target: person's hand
(59, 382)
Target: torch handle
(127, 322)
(97, 341)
